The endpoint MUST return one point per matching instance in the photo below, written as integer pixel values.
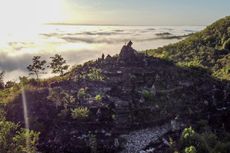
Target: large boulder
(127, 54)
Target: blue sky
(147, 12)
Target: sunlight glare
(23, 14)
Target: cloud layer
(78, 44)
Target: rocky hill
(100, 102)
(132, 102)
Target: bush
(13, 140)
(60, 97)
(80, 113)
(188, 133)
(190, 149)
(24, 80)
(25, 141)
(95, 75)
(10, 84)
(206, 142)
(98, 98)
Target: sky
(120, 12)
(24, 31)
(148, 12)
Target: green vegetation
(14, 139)
(95, 75)
(203, 49)
(190, 149)
(58, 64)
(80, 113)
(37, 67)
(204, 142)
(1, 80)
(61, 97)
(187, 133)
(62, 101)
(12, 89)
(98, 98)
(8, 94)
(10, 84)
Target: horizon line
(91, 24)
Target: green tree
(37, 67)
(1, 79)
(58, 64)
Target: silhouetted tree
(37, 67)
(9, 84)
(58, 64)
(1, 79)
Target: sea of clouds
(78, 44)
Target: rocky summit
(118, 104)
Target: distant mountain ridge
(209, 49)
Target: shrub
(13, 140)
(188, 133)
(95, 75)
(98, 98)
(80, 113)
(206, 142)
(8, 94)
(9, 84)
(60, 97)
(24, 80)
(190, 149)
(25, 141)
(190, 64)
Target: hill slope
(115, 103)
(117, 98)
(209, 49)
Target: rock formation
(127, 54)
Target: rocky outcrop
(132, 95)
(128, 54)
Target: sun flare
(22, 14)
